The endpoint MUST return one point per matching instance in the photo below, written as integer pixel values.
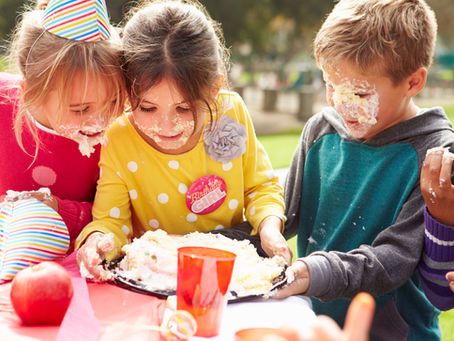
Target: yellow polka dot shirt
(142, 189)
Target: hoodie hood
(427, 122)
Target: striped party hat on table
(30, 232)
(83, 20)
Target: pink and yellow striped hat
(83, 20)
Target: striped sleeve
(436, 261)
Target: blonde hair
(48, 62)
(392, 36)
(175, 39)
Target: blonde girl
(54, 112)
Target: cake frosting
(152, 260)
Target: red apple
(41, 293)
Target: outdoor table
(103, 311)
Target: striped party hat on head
(83, 20)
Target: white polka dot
(163, 198)
(182, 188)
(270, 174)
(153, 223)
(233, 204)
(253, 194)
(191, 217)
(252, 211)
(132, 166)
(133, 194)
(119, 175)
(267, 183)
(100, 172)
(227, 166)
(115, 212)
(174, 164)
(121, 121)
(219, 227)
(125, 230)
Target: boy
(352, 192)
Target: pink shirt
(59, 166)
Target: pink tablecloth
(97, 312)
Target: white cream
(181, 127)
(152, 259)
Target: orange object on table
(204, 276)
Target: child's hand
(272, 240)
(42, 195)
(298, 279)
(91, 254)
(436, 186)
(357, 324)
(450, 278)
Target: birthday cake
(152, 261)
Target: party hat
(84, 20)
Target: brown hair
(395, 36)
(175, 39)
(48, 62)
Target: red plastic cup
(203, 280)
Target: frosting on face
(173, 138)
(87, 136)
(166, 118)
(356, 100)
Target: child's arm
(263, 199)
(438, 256)
(112, 216)
(437, 260)
(378, 268)
(75, 214)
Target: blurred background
(270, 42)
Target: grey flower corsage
(226, 141)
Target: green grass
(280, 149)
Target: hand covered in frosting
(436, 185)
(298, 280)
(92, 253)
(272, 240)
(43, 195)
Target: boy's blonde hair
(392, 36)
(48, 62)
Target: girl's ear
(217, 86)
(416, 81)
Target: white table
(294, 311)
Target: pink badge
(206, 194)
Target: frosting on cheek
(351, 105)
(87, 136)
(173, 138)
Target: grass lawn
(280, 149)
